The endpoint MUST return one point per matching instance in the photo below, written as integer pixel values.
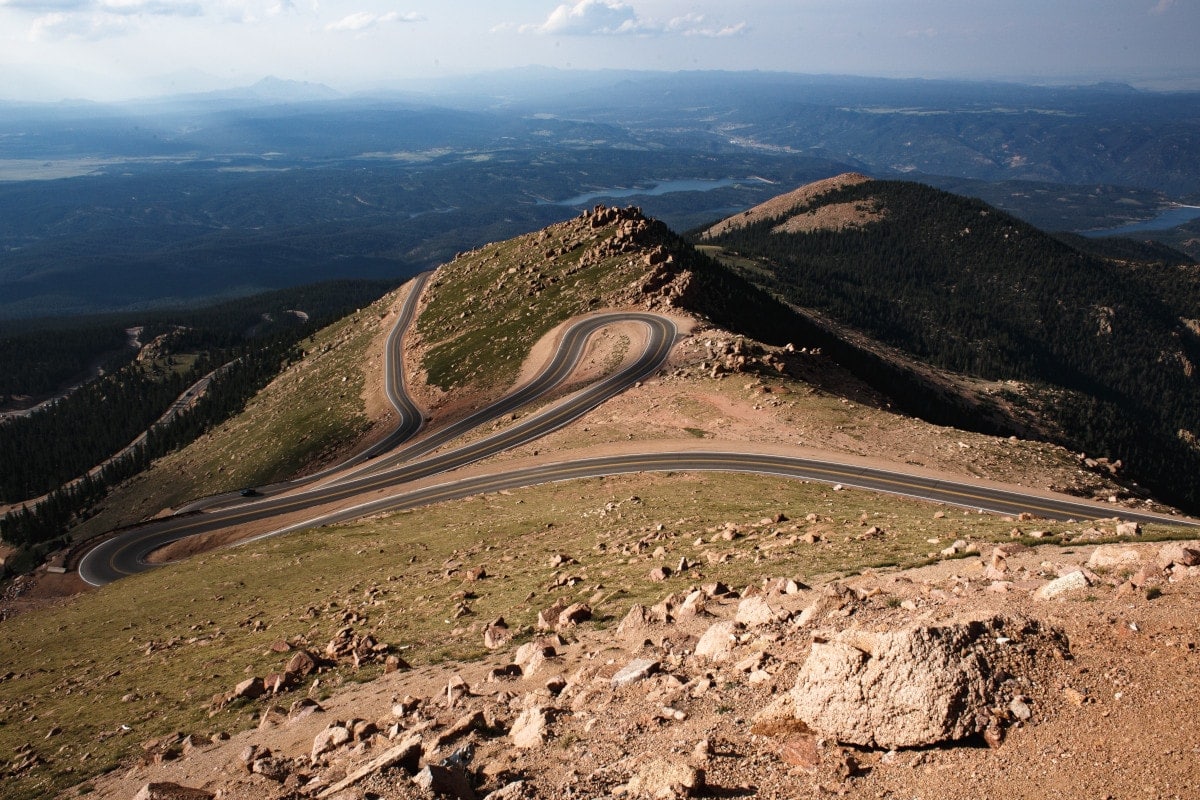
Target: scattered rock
(661, 778)
(330, 739)
(171, 791)
(1108, 556)
(755, 611)
(1070, 582)
(1183, 554)
(445, 780)
(636, 670)
(717, 642)
(529, 729)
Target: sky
(117, 49)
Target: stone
(302, 664)
(510, 791)
(280, 646)
(440, 780)
(662, 778)
(1182, 554)
(636, 621)
(405, 755)
(573, 615)
(717, 641)
(1109, 556)
(496, 634)
(529, 729)
(1020, 709)
(1070, 582)
(329, 739)
(250, 688)
(271, 767)
(1129, 529)
(165, 790)
(755, 611)
(660, 574)
(637, 670)
(913, 687)
(800, 750)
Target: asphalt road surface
(125, 553)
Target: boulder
(1182, 554)
(637, 670)
(912, 687)
(661, 778)
(302, 664)
(450, 781)
(250, 688)
(1070, 582)
(574, 614)
(329, 739)
(529, 730)
(755, 611)
(717, 641)
(1108, 556)
(171, 791)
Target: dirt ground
(1111, 716)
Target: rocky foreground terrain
(1018, 672)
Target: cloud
(591, 18)
(58, 26)
(364, 20)
(694, 25)
(1162, 6)
(615, 18)
(48, 6)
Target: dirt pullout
(1088, 692)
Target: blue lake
(1167, 219)
(661, 187)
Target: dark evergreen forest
(963, 286)
(251, 339)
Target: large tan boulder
(912, 687)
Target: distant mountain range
(180, 199)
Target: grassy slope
(297, 419)
(175, 636)
(488, 307)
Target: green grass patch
(487, 308)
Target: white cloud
(591, 17)
(58, 26)
(48, 5)
(694, 25)
(364, 20)
(1162, 6)
(615, 18)
(160, 8)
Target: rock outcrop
(912, 687)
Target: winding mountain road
(386, 483)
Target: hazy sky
(107, 49)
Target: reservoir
(1167, 219)
(661, 187)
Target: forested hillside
(1104, 344)
(254, 338)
